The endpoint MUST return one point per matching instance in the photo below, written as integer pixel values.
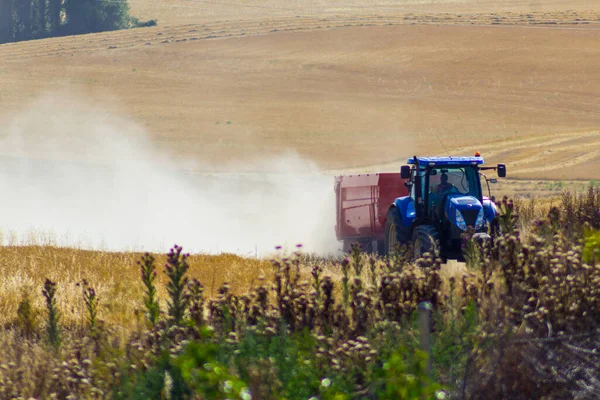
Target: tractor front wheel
(426, 239)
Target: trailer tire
(394, 234)
(426, 239)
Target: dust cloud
(73, 174)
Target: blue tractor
(445, 199)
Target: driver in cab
(444, 186)
(437, 196)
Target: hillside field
(347, 85)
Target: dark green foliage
(88, 16)
(6, 21)
(162, 380)
(405, 379)
(193, 373)
(34, 19)
(53, 16)
(591, 248)
(39, 28)
(455, 339)
(22, 25)
(136, 23)
(289, 358)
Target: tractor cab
(445, 199)
(433, 180)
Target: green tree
(40, 26)
(32, 19)
(22, 22)
(85, 16)
(6, 21)
(54, 8)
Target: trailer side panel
(362, 202)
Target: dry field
(23, 270)
(348, 85)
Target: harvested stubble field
(343, 84)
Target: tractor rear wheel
(426, 239)
(393, 231)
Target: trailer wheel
(426, 239)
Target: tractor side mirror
(405, 172)
(501, 170)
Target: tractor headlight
(480, 220)
(460, 221)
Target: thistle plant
(473, 248)
(176, 268)
(345, 281)
(508, 216)
(91, 302)
(317, 271)
(373, 270)
(52, 328)
(355, 256)
(148, 273)
(195, 294)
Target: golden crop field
(114, 276)
(344, 84)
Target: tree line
(35, 19)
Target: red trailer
(362, 203)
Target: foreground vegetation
(520, 321)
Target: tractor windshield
(447, 180)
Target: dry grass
(114, 276)
(116, 279)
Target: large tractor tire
(426, 239)
(394, 234)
